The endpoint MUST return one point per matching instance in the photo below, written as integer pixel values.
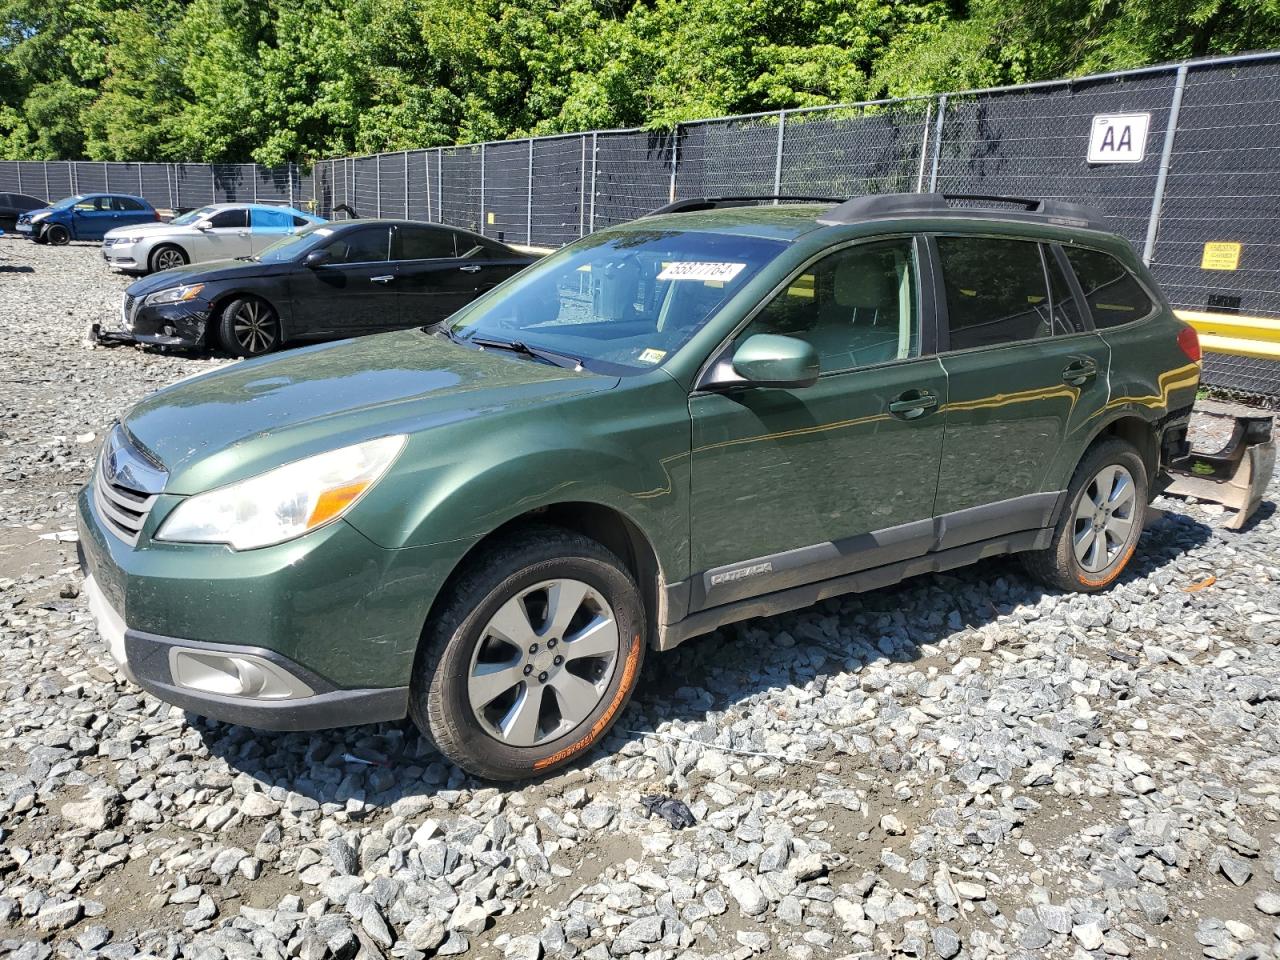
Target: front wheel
(1101, 523)
(57, 234)
(166, 258)
(532, 658)
(249, 327)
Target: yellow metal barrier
(1235, 335)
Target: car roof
(416, 223)
(253, 205)
(759, 217)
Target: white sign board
(1119, 138)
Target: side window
(90, 205)
(235, 217)
(856, 307)
(1113, 293)
(1066, 311)
(424, 243)
(300, 221)
(995, 291)
(477, 248)
(128, 204)
(366, 245)
(270, 219)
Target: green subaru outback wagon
(720, 411)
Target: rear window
(128, 204)
(1112, 292)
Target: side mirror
(203, 225)
(769, 360)
(316, 258)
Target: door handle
(912, 404)
(244, 233)
(1079, 371)
(470, 268)
(383, 279)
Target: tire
(1100, 524)
(494, 730)
(248, 327)
(57, 235)
(165, 257)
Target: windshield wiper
(522, 348)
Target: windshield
(622, 302)
(191, 216)
(69, 202)
(293, 246)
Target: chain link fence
(1210, 173)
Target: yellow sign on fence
(1220, 256)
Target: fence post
(675, 159)
(595, 147)
(582, 187)
(1166, 154)
(213, 185)
(937, 143)
(777, 159)
(45, 165)
(528, 218)
(377, 182)
(406, 184)
(73, 174)
(482, 216)
(439, 185)
(924, 144)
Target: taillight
(1189, 341)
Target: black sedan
(13, 205)
(333, 279)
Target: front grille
(129, 310)
(124, 487)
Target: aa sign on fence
(1119, 138)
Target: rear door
(486, 262)
(267, 226)
(355, 291)
(429, 275)
(797, 485)
(1026, 376)
(130, 211)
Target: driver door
(355, 291)
(226, 236)
(92, 218)
(791, 486)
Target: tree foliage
(278, 80)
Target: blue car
(87, 216)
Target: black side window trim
(1077, 291)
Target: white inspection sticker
(700, 270)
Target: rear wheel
(166, 258)
(249, 327)
(57, 234)
(532, 657)
(1101, 523)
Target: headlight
(188, 291)
(37, 217)
(285, 502)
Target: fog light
(234, 675)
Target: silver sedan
(220, 231)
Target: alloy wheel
(543, 662)
(1104, 518)
(168, 258)
(254, 327)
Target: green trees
(278, 80)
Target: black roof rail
(693, 204)
(881, 206)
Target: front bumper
(148, 660)
(332, 611)
(163, 325)
(121, 257)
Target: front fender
(626, 449)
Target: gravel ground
(962, 766)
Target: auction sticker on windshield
(700, 270)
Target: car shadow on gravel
(367, 769)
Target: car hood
(206, 272)
(257, 414)
(32, 213)
(139, 230)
